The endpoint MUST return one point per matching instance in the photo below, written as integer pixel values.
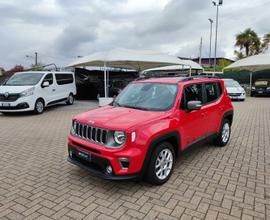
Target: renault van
(33, 91)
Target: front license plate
(84, 155)
(4, 104)
(260, 92)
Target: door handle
(221, 108)
(203, 114)
(53, 90)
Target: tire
(39, 106)
(153, 174)
(224, 134)
(70, 99)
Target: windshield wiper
(136, 107)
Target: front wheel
(161, 164)
(70, 99)
(224, 135)
(39, 106)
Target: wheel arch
(171, 137)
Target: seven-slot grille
(91, 133)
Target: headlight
(27, 92)
(119, 137)
(253, 88)
(268, 88)
(73, 128)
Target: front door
(48, 93)
(193, 126)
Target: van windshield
(24, 79)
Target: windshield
(24, 79)
(147, 96)
(231, 83)
(261, 83)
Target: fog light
(70, 153)
(124, 162)
(109, 169)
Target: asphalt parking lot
(36, 181)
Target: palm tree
(249, 41)
(265, 42)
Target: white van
(33, 91)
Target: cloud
(59, 30)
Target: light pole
(210, 41)
(35, 57)
(217, 4)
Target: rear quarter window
(63, 78)
(213, 91)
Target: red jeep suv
(148, 125)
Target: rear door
(65, 84)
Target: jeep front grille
(90, 133)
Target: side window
(213, 91)
(48, 78)
(63, 79)
(191, 93)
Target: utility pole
(210, 41)
(200, 53)
(36, 54)
(216, 4)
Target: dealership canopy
(252, 64)
(127, 59)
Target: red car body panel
(150, 125)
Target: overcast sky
(60, 30)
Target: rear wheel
(70, 99)
(39, 106)
(161, 164)
(225, 134)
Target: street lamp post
(210, 41)
(217, 4)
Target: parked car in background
(33, 91)
(235, 90)
(147, 126)
(261, 87)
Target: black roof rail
(197, 77)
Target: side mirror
(194, 105)
(45, 84)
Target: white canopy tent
(189, 65)
(252, 64)
(138, 60)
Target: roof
(176, 80)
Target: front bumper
(102, 157)
(20, 105)
(261, 92)
(97, 167)
(237, 96)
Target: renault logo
(6, 94)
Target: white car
(33, 91)
(235, 91)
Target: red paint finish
(149, 125)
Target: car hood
(117, 118)
(235, 89)
(13, 89)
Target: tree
(15, 69)
(265, 42)
(248, 41)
